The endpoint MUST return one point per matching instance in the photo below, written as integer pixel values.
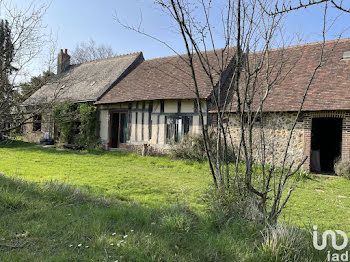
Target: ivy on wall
(88, 125)
(77, 123)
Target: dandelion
(113, 234)
(79, 245)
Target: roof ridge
(109, 58)
(184, 54)
(311, 44)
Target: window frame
(37, 123)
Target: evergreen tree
(35, 83)
(7, 92)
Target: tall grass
(58, 222)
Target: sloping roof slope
(167, 78)
(330, 89)
(87, 81)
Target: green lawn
(156, 201)
(321, 200)
(128, 177)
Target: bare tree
(249, 34)
(28, 38)
(287, 6)
(89, 51)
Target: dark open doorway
(326, 139)
(118, 129)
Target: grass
(128, 177)
(58, 222)
(156, 201)
(320, 200)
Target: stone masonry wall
(276, 132)
(34, 136)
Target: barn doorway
(118, 129)
(326, 139)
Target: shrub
(227, 204)
(192, 148)
(65, 115)
(342, 168)
(301, 175)
(286, 243)
(77, 124)
(88, 125)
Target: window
(77, 127)
(177, 127)
(162, 106)
(150, 110)
(37, 123)
(179, 106)
(119, 129)
(213, 120)
(195, 106)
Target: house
(80, 83)
(322, 132)
(155, 104)
(153, 101)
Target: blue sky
(75, 21)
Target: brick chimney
(63, 61)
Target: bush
(65, 115)
(301, 175)
(342, 168)
(288, 243)
(226, 204)
(78, 124)
(89, 125)
(192, 148)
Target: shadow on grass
(58, 222)
(31, 147)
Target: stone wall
(46, 127)
(276, 133)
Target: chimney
(63, 61)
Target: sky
(75, 21)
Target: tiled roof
(87, 81)
(330, 89)
(166, 78)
